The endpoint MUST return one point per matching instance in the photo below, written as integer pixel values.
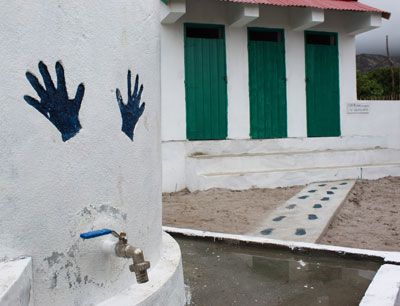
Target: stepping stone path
(306, 216)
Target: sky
(374, 41)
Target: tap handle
(97, 233)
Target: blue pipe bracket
(97, 233)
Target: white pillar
(238, 84)
(173, 102)
(296, 85)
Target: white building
(262, 93)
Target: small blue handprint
(132, 111)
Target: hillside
(368, 62)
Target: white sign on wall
(358, 108)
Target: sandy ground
(369, 217)
(222, 210)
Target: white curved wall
(50, 190)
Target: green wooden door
(267, 83)
(322, 77)
(205, 82)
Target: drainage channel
(224, 273)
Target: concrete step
(265, 162)
(240, 146)
(288, 176)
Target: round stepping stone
(312, 191)
(303, 197)
(344, 183)
(322, 185)
(300, 232)
(317, 206)
(267, 231)
(330, 192)
(334, 188)
(325, 199)
(280, 218)
(312, 217)
(291, 206)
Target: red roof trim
(342, 5)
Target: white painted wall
(174, 165)
(52, 191)
(382, 120)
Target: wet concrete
(218, 273)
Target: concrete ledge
(235, 146)
(288, 177)
(16, 282)
(385, 288)
(305, 18)
(362, 22)
(243, 15)
(165, 286)
(175, 9)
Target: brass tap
(125, 250)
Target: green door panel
(322, 84)
(205, 82)
(267, 83)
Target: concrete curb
(384, 289)
(384, 256)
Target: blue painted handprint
(132, 111)
(54, 102)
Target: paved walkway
(306, 216)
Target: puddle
(218, 273)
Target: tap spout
(139, 266)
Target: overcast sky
(374, 41)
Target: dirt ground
(222, 210)
(369, 218)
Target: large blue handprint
(132, 111)
(54, 102)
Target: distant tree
(384, 77)
(377, 84)
(367, 87)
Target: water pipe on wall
(124, 250)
